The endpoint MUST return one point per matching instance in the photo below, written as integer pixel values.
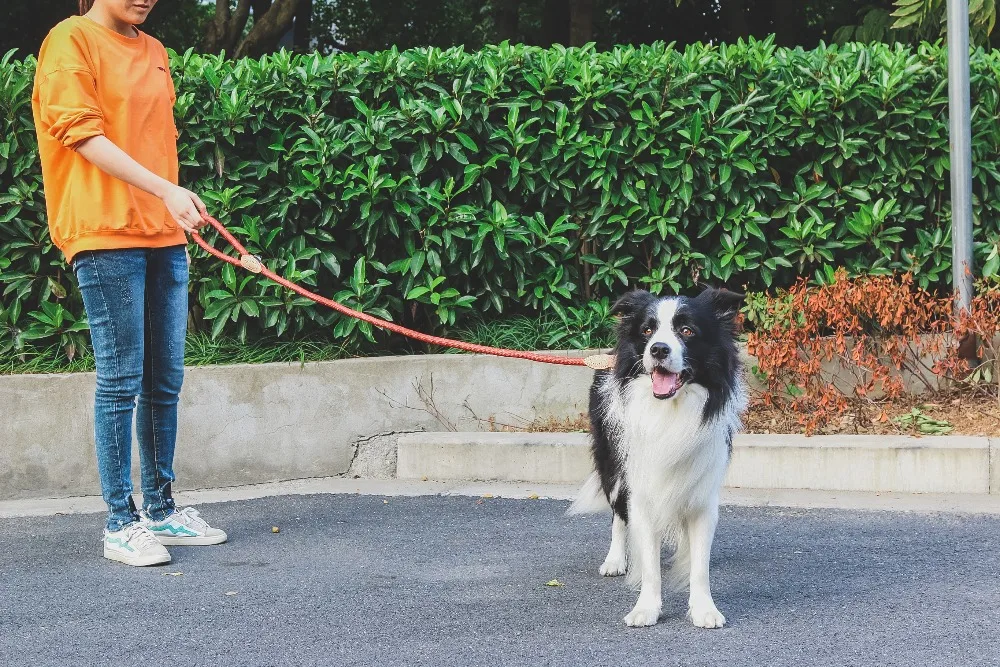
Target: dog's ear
(631, 303)
(725, 304)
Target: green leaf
(467, 141)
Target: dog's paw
(612, 567)
(641, 617)
(706, 615)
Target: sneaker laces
(191, 517)
(140, 536)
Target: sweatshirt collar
(131, 41)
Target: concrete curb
(897, 464)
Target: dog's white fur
(666, 335)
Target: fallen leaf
(275, 529)
(424, 478)
(385, 502)
(533, 496)
(487, 495)
(173, 574)
(555, 582)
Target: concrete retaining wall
(259, 423)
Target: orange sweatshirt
(93, 81)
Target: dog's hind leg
(700, 529)
(615, 563)
(644, 547)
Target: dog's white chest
(671, 456)
(663, 430)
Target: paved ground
(355, 580)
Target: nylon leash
(253, 264)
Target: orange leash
(254, 265)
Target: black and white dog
(662, 423)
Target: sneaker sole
(205, 541)
(138, 561)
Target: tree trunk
(260, 7)
(303, 26)
(555, 22)
(216, 37)
(272, 19)
(505, 19)
(268, 29)
(215, 31)
(581, 22)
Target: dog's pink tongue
(664, 383)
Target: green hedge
(439, 186)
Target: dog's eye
(648, 331)
(687, 332)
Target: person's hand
(186, 208)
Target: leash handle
(254, 265)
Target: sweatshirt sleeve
(68, 106)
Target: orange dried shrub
(846, 345)
(973, 363)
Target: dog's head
(677, 340)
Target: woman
(103, 109)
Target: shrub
(445, 186)
(979, 331)
(856, 342)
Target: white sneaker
(184, 527)
(134, 545)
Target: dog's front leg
(700, 533)
(615, 562)
(644, 547)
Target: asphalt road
(365, 580)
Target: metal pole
(960, 132)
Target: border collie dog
(662, 424)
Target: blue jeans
(136, 302)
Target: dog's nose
(660, 350)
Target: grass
(45, 360)
(200, 350)
(525, 333)
(516, 333)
